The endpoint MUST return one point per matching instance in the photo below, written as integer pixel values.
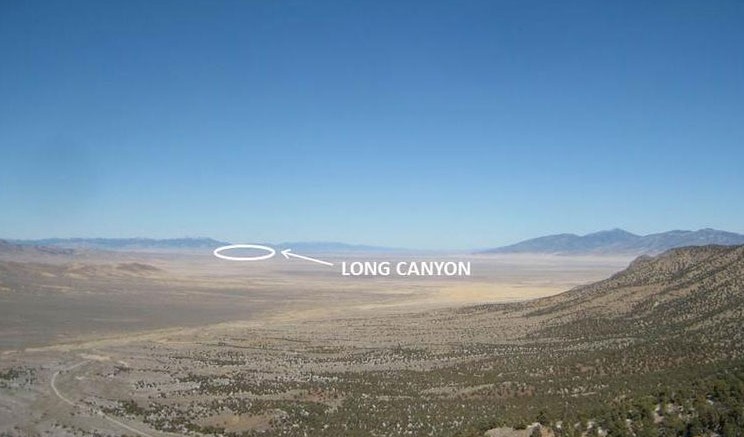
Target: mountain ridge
(124, 243)
(7, 247)
(618, 241)
(186, 243)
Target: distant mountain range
(185, 244)
(125, 243)
(335, 247)
(7, 247)
(615, 241)
(618, 241)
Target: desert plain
(159, 343)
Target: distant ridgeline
(189, 244)
(125, 243)
(615, 241)
(618, 241)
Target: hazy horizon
(361, 247)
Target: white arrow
(288, 252)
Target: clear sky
(460, 124)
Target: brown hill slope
(678, 292)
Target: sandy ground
(80, 335)
(72, 299)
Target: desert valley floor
(160, 344)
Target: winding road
(65, 399)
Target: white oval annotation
(270, 252)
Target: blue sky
(418, 124)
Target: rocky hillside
(682, 292)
